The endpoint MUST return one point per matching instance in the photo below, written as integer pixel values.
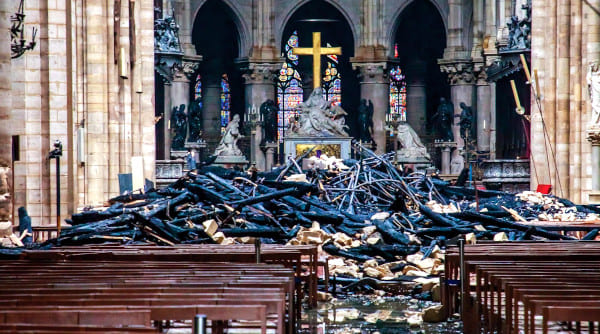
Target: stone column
(183, 15)
(594, 138)
(492, 125)
(211, 114)
(180, 87)
(483, 111)
(375, 86)
(5, 111)
(456, 40)
(416, 96)
(259, 80)
(446, 148)
(166, 122)
(462, 80)
(96, 97)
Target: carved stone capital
(185, 70)
(460, 72)
(260, 73)
(373, 72)
(480, 73)
(593, 135)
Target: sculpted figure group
(319, 118)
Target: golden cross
(317, 51)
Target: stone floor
(361, 314)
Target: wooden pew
(492, 252)
(46, 274)
(494, 305)
(124, 318)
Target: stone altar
(168, 171)
(506, 174)
(330, 146)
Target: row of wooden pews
(510, 287)
(113, 288)
(303, 259)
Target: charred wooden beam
(488, 220)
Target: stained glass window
(198, 87)
(398, 93)
(289, 87)
(332, 81)
(225, 102)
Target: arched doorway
(420, 39)
(217, 39)
(338, 80)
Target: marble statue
(195, 120)
(179, 126)
(365, 121)
(444, 119)
(593, 82)
(466, 121)
(268, 111)
(228, 144)
(319, 119)
(412, 147)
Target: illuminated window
(398, 93)
(332, 81)
(225, 103)
(198, 87)
(289, 88)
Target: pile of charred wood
(364, 211)
(217, 205)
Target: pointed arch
(442, 11)
(242, 24)
(353, 24)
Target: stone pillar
(483, 111)
(375, 86)
(179, 91)
(446, 148)
(183, 15)
(462, 80)
(5, 112)
(259, 80)
(211, 114)
(492, 125)
(416, 96)
(166, 122)
(97, 163)
(594, 138)
(457, 40)
(179, 94)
